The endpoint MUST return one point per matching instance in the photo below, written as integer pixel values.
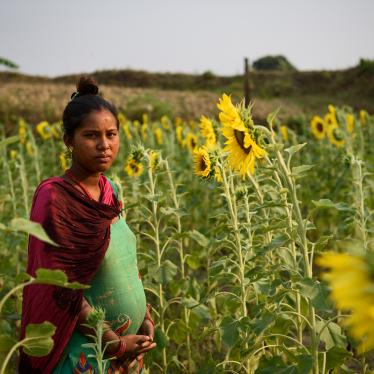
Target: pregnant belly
(121, 295)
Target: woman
(81, 213)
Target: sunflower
(352, 284)
(165, 122)
(217, 175)
(330, 119)
(63, 162)
(331, 109)
(318, 127)
(335, 135)
(191, 141)
(136, 124)
(179, 133)
(44, 130)
(350, 121)
(178, 121)
(144, 131)
(154, 160)
(145, 119)
(207, 131)
(22, 132)
(29, 149)
(241, 147)
(121, 118)
(13, 154)
(229, 115)
(56, 130)
(363, 116)
(133, 168)
(125, 125)
(284, 132)
(202, 162)
(158, 135)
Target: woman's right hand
(136, 345)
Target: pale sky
(50, 37)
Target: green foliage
(8, 63)
(273, 63)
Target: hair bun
(87, 86)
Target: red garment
(81, 228)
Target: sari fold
(81, 228)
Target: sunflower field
(255, 241)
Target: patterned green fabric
(118, 289)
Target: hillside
(188, 95)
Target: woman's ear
(68, 141)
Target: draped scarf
(81, 228)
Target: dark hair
(84, 101)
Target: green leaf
(161, 339)
(38, 340)
(327, 204)
(32, 228)
(199, 238)
(317, 292)
(173, 211)
(56, 278)
(294, 149)
(300, 171)
(263, 322)
(178, 332)
(10, 140)
(193, 262)
(230, 331)
(167, 271)
(278, 240)
(6, 343)
(331, 335)
(335, 357)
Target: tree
(278, 62)
(8, 63)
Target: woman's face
(95, 142)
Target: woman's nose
(103, 143)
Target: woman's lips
(104, 158)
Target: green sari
(118, 289)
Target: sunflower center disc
(239, 136)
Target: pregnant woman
(81, 213)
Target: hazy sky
(51, 37)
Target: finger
(140, 357)
(147, 349)
(142, 338)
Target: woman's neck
(84, 177)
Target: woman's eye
(112, 135)
(90, 136)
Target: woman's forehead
(99, 120)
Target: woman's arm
(134, 344)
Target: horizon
(53, 39)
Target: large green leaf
(331, 335)
(328, 204)
(56, 278)
(199, 238)
(161, 339)
(317, 292)
(294, 149)
(230, 331)
(38, 340)
(300, 171)
(335, 357)
(32, 228)
(167, 271)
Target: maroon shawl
(81, 228)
